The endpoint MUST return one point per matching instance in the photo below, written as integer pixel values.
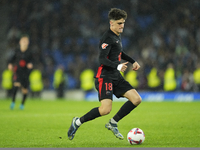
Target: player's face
(24, 42)
(117, 26)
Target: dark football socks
(24, 98)
(124, 110)
(92, 114)
(14, 94)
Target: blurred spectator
(196, 76)
(59, 81)
(7, 82)
(36, 84)
(153, 80)
(187, 81)
(132, 77)
(169, 79)
(87, 80)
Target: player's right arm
(10, 66)
(11, 61)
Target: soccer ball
(135, 136)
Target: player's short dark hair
(117, 14)
(24, 35)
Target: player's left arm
(29, 65)
(30, 61)
(136, 66)
(124, 56)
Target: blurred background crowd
(64, 34)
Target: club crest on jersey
(104, 45)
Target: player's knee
(105, 111)
(24, 91)
(138, 100)
(17, 84)
(106, 107)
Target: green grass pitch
(44, 124)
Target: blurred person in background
(132, 77)
(169, 78)
(187, 81)
(21, 64)
(87, 80)
(59, 81)
(196, 76)
(7, 82)
(153, 80)
(108, 79)
(36, 84)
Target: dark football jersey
(110, 55)
(20, 60)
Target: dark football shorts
(107, 87)
(22, 78)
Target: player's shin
(14, 93)
(124, 110)
(92, 114)
(24, 99)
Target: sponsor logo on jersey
(104, 45)
(22, 63)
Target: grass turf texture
(45, 124)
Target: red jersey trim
(100, 80)
(99, 71)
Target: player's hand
(10, 66)
(136, 66)
(29, 66)
(122, 67)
